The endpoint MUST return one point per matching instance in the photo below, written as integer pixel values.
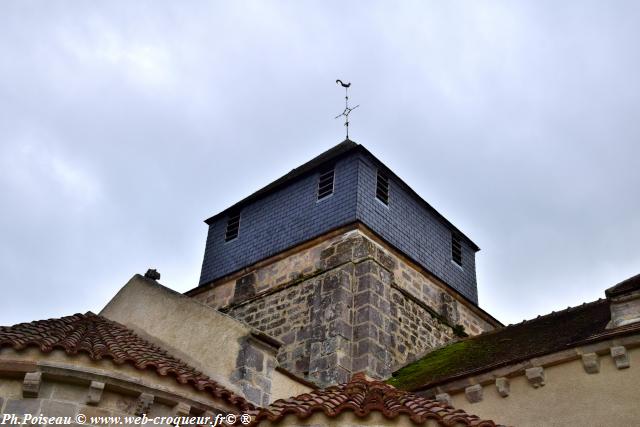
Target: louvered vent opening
(233, 226)
(382, 188)
(456, 249)
(325, 183)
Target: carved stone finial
(444, 398)
(152, 274)
(619, 355)
(503, 386)
(535, 376)
(473, 393)
(591, 363)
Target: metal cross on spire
(347, 109)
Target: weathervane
(347, 110)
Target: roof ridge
(557, 313)
(528, 321)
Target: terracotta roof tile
(361, 397)
(101, 338)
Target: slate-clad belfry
(334, 296)
(346, 265)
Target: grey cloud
(123, 126)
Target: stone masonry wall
(284, 315)
(73, 389)
(425, 289)
(345, 305)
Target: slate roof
(362, 397)
(515, 343)
(333, 154)
(101, 338)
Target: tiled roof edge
(17, 337)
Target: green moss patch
(441, 363)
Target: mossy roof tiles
(514, 343)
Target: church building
(345, 264)
(334, 296)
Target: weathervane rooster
(347, 110)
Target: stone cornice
(615, 347)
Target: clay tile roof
(101, 338)
(547, 334)
(361, 397)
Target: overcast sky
(123, 125)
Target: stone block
(363, 248)
(449, 308)
(503, 386)
(342, 255)
(252, 394)
(330, 282)
(620, 357)
(364, 330)
(95, 393)
(145, 400)
(92, 411)
(182, 409)
(264, 383)
(245, 287)
(369, 314)
(21, 407)
(31, 384)
(346, 245)
(363, 347)
(327, 253)
(360, 363)
(591, 363)
(266, 399)
(535, 376)
(386, 260)
(253, 357)
(364, 298)
(473, 393)
(367, 267)
(341, 328)
(444, 398)
(53, 408)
